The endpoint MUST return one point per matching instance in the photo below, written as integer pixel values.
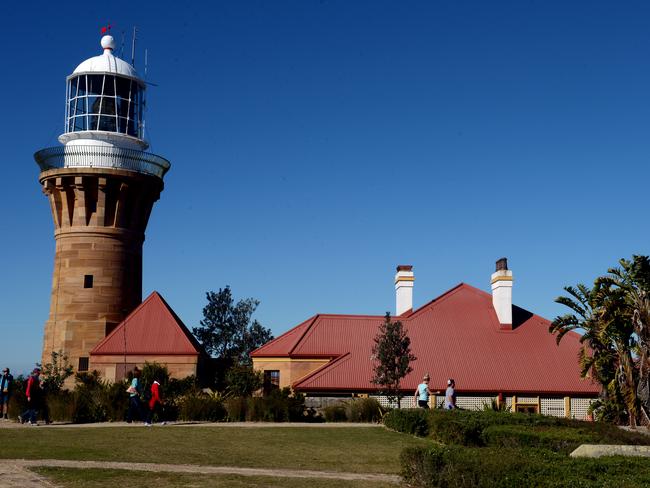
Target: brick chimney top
(404, 267)
(502, 264)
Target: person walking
(6, 387)
(450, 395)
(422, 392)
(135, 407)
(155, 404)
(33, 394)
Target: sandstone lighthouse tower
(102, 185)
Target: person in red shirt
(33, 393)
(155, 404)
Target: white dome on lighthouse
(107, 62)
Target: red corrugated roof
(283, 345)
(153, 328)
(456, 335)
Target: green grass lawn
(100, 478)
(349, 449)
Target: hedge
(459, 467)
(504, 429)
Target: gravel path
(17, 476)
(14, 475)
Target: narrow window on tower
(83, 364)
(88, 281)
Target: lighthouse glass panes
(105, 102)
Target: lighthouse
(101, 183)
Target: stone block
(601, 450)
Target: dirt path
(14, 475)
(18, 474)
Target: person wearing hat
(450, 395)
(6, 385)
(422, 392)
(33, 394)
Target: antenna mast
(135, 31)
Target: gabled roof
(151, 329)
(457, 335)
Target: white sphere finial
(108, 43)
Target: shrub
(236, 409)
(455, 466)
(364, 410)
(476, 428)
(278, 406)
(201, 407)
(89, 399)
(60, 406)
(557, 439)
(335, 413)
(409, 421)
(243, 381)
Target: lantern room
(105, 102)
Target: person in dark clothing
(34, 397)
(6, 387)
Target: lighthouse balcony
(101, 157)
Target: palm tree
(601, 356)
(630, 284)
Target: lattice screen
(473, 403)
(407, 402)
(509, 402)
(526, 399)
(553, 407)
(579, 408)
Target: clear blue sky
(316, 145)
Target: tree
(227, 332)
(630, 284)
(55, 373)
(392, 354)
(243, 381)
(615, 318)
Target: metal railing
(101, 157)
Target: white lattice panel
(553, 407)
(509, 402)
(473, 403)
(579, 408)
(407, 402)
(526, 399)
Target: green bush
(278, 406)
(60, 406)
(201, 406)
(479, 428)
(364, 410)
(557, 439)
(409, 421)
(458, 467)
(236, 408)
(335, 413)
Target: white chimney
(404, 289)
(502, 293)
